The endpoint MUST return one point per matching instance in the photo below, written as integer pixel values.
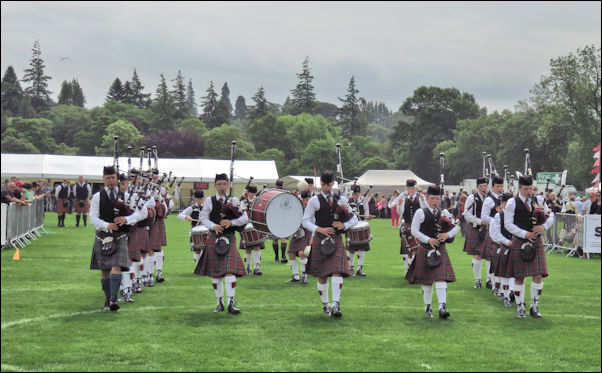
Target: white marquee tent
(386, 181)
(49, 166)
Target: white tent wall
(387, 181)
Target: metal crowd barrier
(567, 233)
(22, 224)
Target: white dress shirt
(468, 214)
(488, 204)
(419, 219)
(313, 205)
(495, 231)
(188, 210)
(81, 185)
(208, 206)
(406, 197)
(95, 219)
(509, 216)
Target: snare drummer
(297, 246)
(319, 219)
(230, 265)
(192, 213)
(360, 210)
(407, 204)
(246, 201)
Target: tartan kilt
(503, 263)
(324, 266)
(84, 209)
(472, 245)
(134, 245)
(59, 206)
(495, 257)
(162, 234)
(216, 266)
(420, 273)
(489, 248)
(143, 240)
(521, 269)
(295, 246)
(120, 257)
(154, 236)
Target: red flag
(597, 148)
(596, 170)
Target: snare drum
(408, 241)
(251, 236)
(277, 212)
(199, 236)
(359, 234)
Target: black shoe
(284, 260)
(137, 287)
(477, 284)
(443, 314)
(248, 270)
(507, 302)
(106, 307)
(160, 277)
(360, 272)
(232, 308)
(276, 259)
(77, 225)
(488, 284)
(257, 272)
(220, 306)
(304, 278)
(512, 299)
(326, 308)
(114, 305)
(293, 279)
(534, 311)
(520, 311)
(335, 311)
(352, 271)
(428, 311)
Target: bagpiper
(476, 232)
(83, 192)
(192, 213)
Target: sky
(495, 51)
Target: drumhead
(199, 229)
(360, 226)
(284, 215)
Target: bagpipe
(229, 211)
(446, 222)
(538, 216)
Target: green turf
(52, 318)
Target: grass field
(52, 318)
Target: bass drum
(276, 212)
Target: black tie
(112, 196)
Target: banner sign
(201, 186)
(555, 177)
(592, 234)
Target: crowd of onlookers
(15, 190)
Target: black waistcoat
(522, 217)
(196, 214)
(477, 206)
(82, 191)
(429, 225)
(410, 209)
(64, 191)
(505, 232)
(215, 215)
(325, 215)
(106, 210)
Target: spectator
(372, 204)
(28, 192)
(596, 209)
(5, 184)
(554, 204)
(454, 198)
(387, 208)
(571, 206)
(588, 204)
(446, 202)
(394, 214)
(8, 195)
(18, 191)
(382, 207)
(579, 202)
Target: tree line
(559, 123)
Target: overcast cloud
(496, 51)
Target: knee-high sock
(536, 290)
(294, 268)
(77, 217)
(137, 269)
(85, 219)
(350, 258)
(441, 287)
(248, 259)
(337, 286)
(323, 291)
(303, 264)
(476, 268)
(106, 287)
(218, 286)
(115, 282)
(257, 258)
(283, 249)
(197, 256)
(150, 265)
(360, 258)
(59, 217)
(406, 262)
(159, 261)
(275, 247)
(427, 293)
(126, 280)
(230, 286)
(511, 283)
(519, 294)
(505, 287)
(488, 266)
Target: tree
(177, 144)
(219, 140)
(68, 120)
(11, 144)
(348, 114)
(240, 111)
(373, 163)
(275, 155)
(128, 93)
(225, 98)
(38, 88)
(34, 131)
(128, 136)
(320, 153)
(261, 105)
(12, 93)
(194, 124)
(115, 91)
(78, 94)
(26, 109)
(178, 95)
(163, 106)
(264, 130)
(139, 99)
(66, 94)
(303, 94)
(190, 100)
(209, 104)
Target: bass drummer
(245, 204)
(192, 213)
(360, 208)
